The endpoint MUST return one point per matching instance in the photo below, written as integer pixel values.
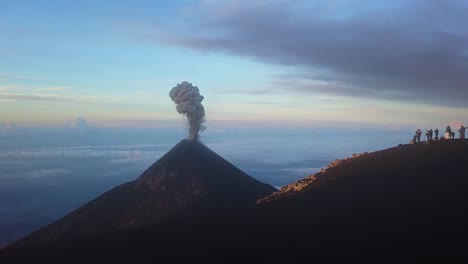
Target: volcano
(189, 179)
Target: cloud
(45, 173)
(8, 127)
(267, 148)
(10, 77)
(159, 80)
(276, 104)
(115, 153)
(59, 94)
(50, 98)
(134, 156)
(399, 50)
(79, 124)
(36, 174)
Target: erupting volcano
(189, 179)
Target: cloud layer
(115, 153)
(399, 50)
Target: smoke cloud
(188, 100)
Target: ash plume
(188, 100)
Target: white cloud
(9, 77)
(8, 127)
(114, 153)
(134, 156)
(45, 173)
(36, 174)
(79, 124)
(51, 97)
(49, 94)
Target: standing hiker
(448, 132)
(417, 136)
(429, 134)
(462, 132)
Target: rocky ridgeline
(317, 178)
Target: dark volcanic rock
(189, 179)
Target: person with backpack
(462, 132)
(417, 136)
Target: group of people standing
(449, 134)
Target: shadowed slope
(400, 165)
(189, 179)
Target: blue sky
(376, 63)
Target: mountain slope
(189, 179)
(410, 199)
(389, 165)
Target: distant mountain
(189, 179)
(405, 200)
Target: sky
(391, 64)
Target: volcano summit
(189, 179)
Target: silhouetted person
(462, 132)
(448, 132)
(417, 136)
(436, 132)
(429, 134)
(452, 135)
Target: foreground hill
(410, 199)
(190, 178)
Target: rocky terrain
(310, 181)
